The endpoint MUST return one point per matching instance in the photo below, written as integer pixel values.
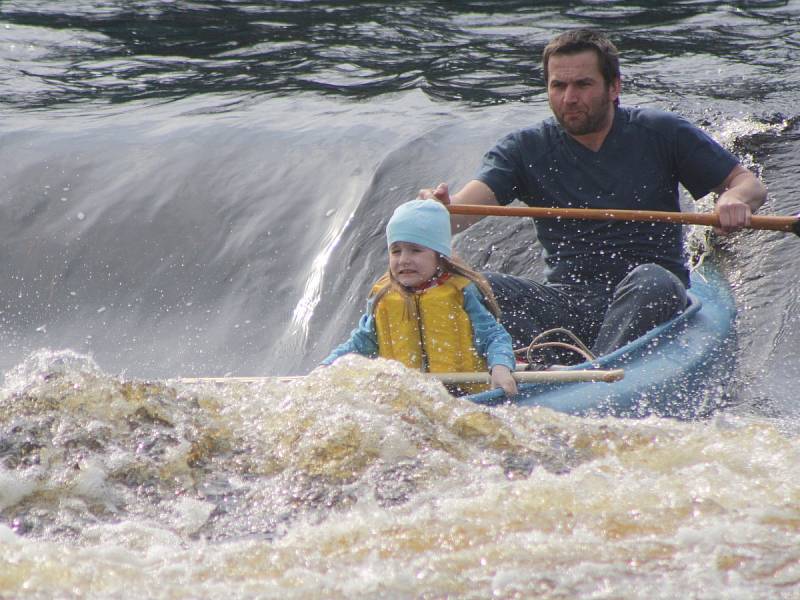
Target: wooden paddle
(775, 223)
(564, 376)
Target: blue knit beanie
(423, 222)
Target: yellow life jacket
(437, 338)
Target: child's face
(411, 264)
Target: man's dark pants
(603, 317)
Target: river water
(200, 189)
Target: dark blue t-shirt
(642, 160)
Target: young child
(431, 311)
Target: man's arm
(475, 192)
(740, 195)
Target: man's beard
(594, 120)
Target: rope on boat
(537, 345)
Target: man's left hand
(733, 214)
(739, 195)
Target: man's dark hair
(580, 40)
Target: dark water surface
(200, 188)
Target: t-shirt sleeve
(500, 169)
(363, 340)
(702, 163)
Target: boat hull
(680, 369)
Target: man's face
(579, 97)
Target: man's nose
(571, 93)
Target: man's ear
(614, 89)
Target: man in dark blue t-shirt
(609, 281)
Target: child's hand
(502, 378)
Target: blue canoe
(679, 369)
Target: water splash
(301, 317)
(366, 478)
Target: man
(609, 282)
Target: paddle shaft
(775, 223)
(565, 376)
(537, 376)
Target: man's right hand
(441, 193)
(475, 192)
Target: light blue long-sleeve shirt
(489, 337)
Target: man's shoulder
(536, 139)
(653, 120)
